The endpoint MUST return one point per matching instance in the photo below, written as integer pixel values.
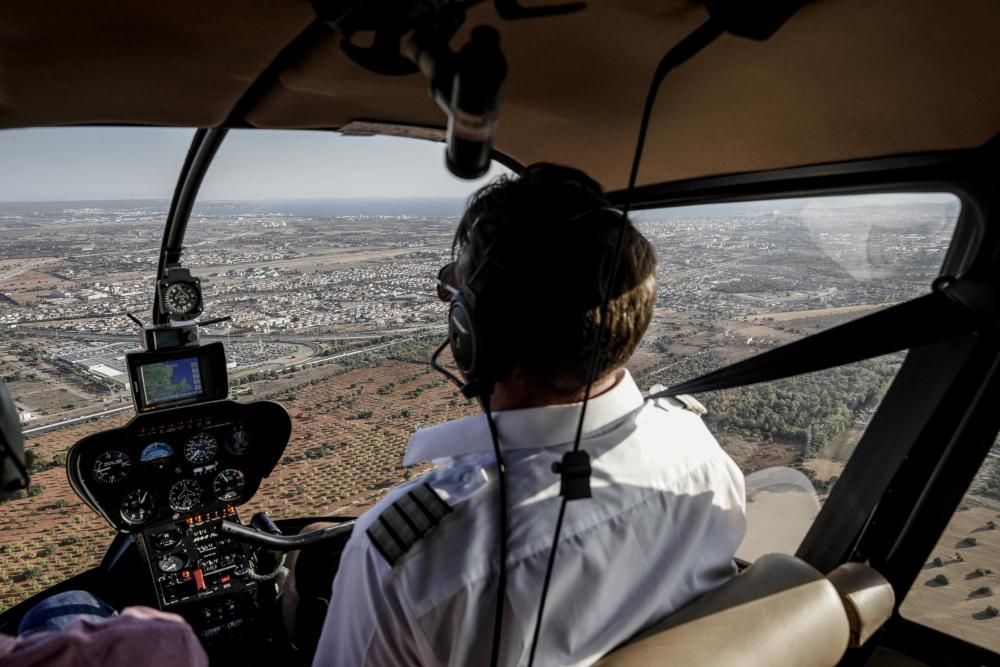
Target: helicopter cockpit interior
(820, 182)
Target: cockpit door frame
(938, 420)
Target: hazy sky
(60, 164)
(57, 164)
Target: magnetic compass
(181, 298)
(179, 294)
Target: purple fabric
(121, 641)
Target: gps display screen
(166, 381)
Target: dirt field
(752, 456)
(842, 446)
(818, 312)
(959, 607)
(31, 285)
(825, 468)
(319, 261)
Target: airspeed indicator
(200, 448)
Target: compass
(181, 298)
(179, 294)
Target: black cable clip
(574, 470)
(978, 299)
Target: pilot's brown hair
(549, 244)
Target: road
(270, 337)
(74, 420)
(321, 360)
(104, 413)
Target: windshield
(81, 217)
(322, 249)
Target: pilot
(418, 578)
(76, 627)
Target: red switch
(199, 579)
(224, 579)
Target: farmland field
(960, 583)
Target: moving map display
(165, 381)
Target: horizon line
(225, 201)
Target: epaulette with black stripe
(407, 521)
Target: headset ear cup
(464, 339)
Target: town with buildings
(334, 316)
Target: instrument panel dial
(228, 484)
(172, 563)
(200, 448)
(180, 298)
(138, 506)
(184, 495)
(112, 466)
(239, 441)
(194, 460)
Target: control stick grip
(262, 521)
(279, 542)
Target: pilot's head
(544, 244)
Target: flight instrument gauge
(179, 294)
(138, 506)
(180, 299)
(200, 448)
(172, 563)
(184, 495)
(239, 441)
(111, 466)
(228, 484)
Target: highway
(75, 420)
(105, 413)
(253, 337)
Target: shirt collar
(527, 428)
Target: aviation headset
(480, 364)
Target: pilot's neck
(519, 391)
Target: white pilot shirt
(665, 519)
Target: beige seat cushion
(779, 611)
(868, 599)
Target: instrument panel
(167, 465)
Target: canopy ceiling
(843, 79)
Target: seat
(778, 612)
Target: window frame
(954, 381)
